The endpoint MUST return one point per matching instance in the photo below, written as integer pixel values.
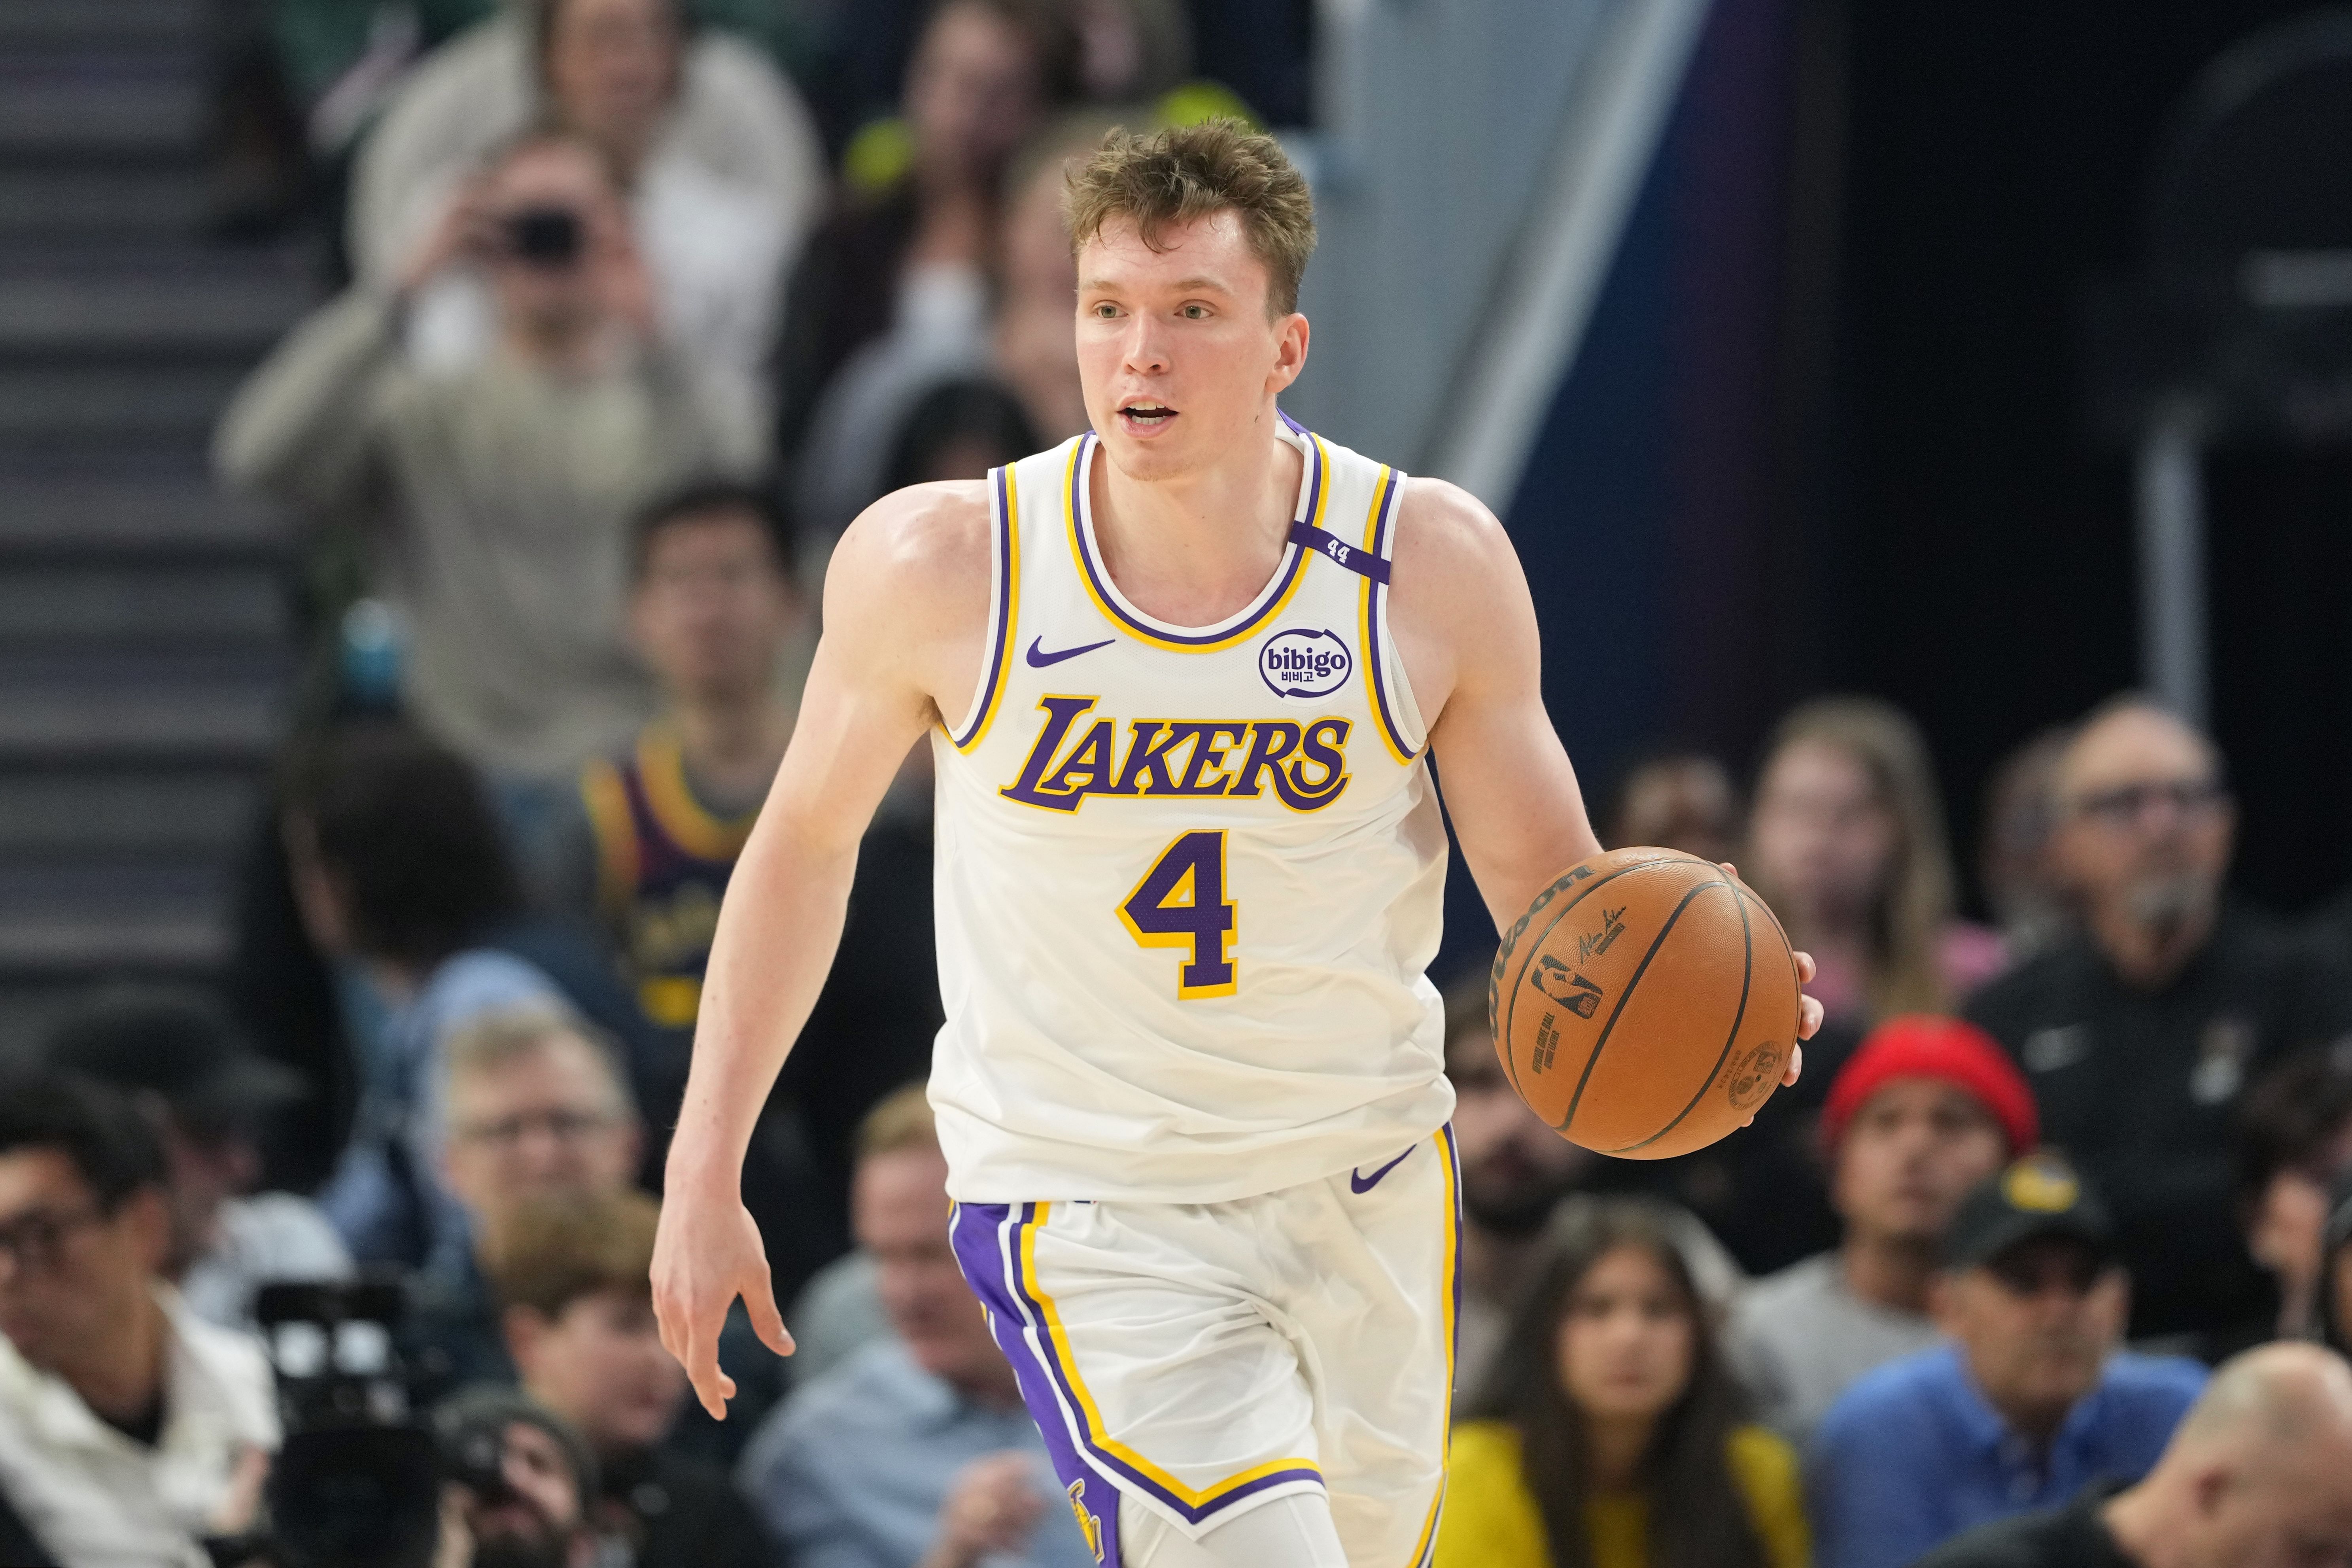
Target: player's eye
(1104, 311)
(1196, 313)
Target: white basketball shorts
(1202, 1358)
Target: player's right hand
(706, 1254)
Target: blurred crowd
(638, 304)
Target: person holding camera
(130, 1429)
(496, 498)
(519, 1496)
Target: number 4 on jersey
(1181, 902)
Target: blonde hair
(900, 1121)
(1914, 902)
(505, 1034)
(1163, 178)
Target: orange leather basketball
(1646, 1004)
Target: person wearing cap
(207, 1092)
(2030, 1402)
(2258, 1475)
(1921, 1113)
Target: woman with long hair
(1608, 1432)
(1846, 841)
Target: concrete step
(94, 917)
(197, 311)
(162, 200)
(143, 603)
(80, 516)
(119, 707)
(52, 813)
(50, 23)
(134, 108)
(119, 404)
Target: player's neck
(1198, 548)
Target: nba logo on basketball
(1304, 663)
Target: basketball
(1646, 1004)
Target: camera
(358, 1481)
(548, 236)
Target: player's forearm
(777, 935)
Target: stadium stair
(145, 640)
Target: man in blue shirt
(2029, 1402)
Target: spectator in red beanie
(1925, 1110)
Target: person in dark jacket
(2139, 1032)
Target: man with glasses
(129, 1427)
(536, 1109)
(2030, 1402)
(533, 1109)
(2138, 1031)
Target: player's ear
(1290, 336)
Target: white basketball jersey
(1189, 879)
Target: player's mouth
(1145, 417)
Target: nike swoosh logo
(1039, 658)
(1364, 1183)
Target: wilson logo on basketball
(1299, 663)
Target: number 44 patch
(1181, 902)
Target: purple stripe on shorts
(988, 1246)
(978, 1236)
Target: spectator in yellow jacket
(1607, 1434)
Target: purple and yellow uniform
(662, 864)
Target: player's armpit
(1466, 627)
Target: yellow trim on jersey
(1098, 1432)
(1453, 1264)
(1126, 624)
(606, 800)
(1011, 608)
(1370, 651)
(661, 767)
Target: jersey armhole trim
(1003, 605)
(1392, 705)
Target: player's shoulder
(921, 532)
(919, 555)
(1443, 528)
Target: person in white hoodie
(130, 1429)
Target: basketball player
(1182, 676)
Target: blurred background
(423, 424)
(1789, 337)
